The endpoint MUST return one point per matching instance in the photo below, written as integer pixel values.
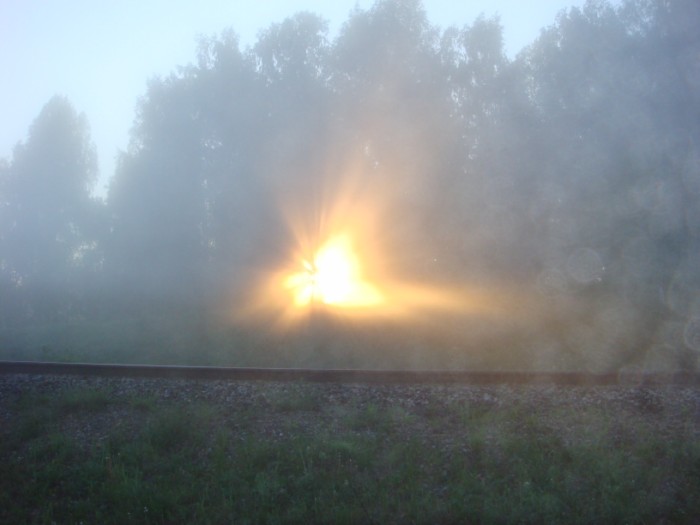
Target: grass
(195, 462)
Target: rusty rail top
(348, 375)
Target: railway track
(348, 375)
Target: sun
(333, 277)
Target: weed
(295, 402)
(83, 400)
(143, 404)
(369, 418)
(174, 428)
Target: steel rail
(348, 375)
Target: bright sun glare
(352, 270)
(334, 278)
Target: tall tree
(156, 198)
(393, 115)
(49, 225)
(615, 123)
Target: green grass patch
(461, 463)
(83, 400)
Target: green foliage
(83, 400)
(170, 430)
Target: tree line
(573, 168)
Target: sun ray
(333, 278)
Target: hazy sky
(101, 54)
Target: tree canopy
(570, 173)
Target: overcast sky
(100, 54)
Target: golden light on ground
(333, 277)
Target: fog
(399, 196)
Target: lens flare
(333, 278)
(353, 254)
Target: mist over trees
(571, 172)
(50, 224)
